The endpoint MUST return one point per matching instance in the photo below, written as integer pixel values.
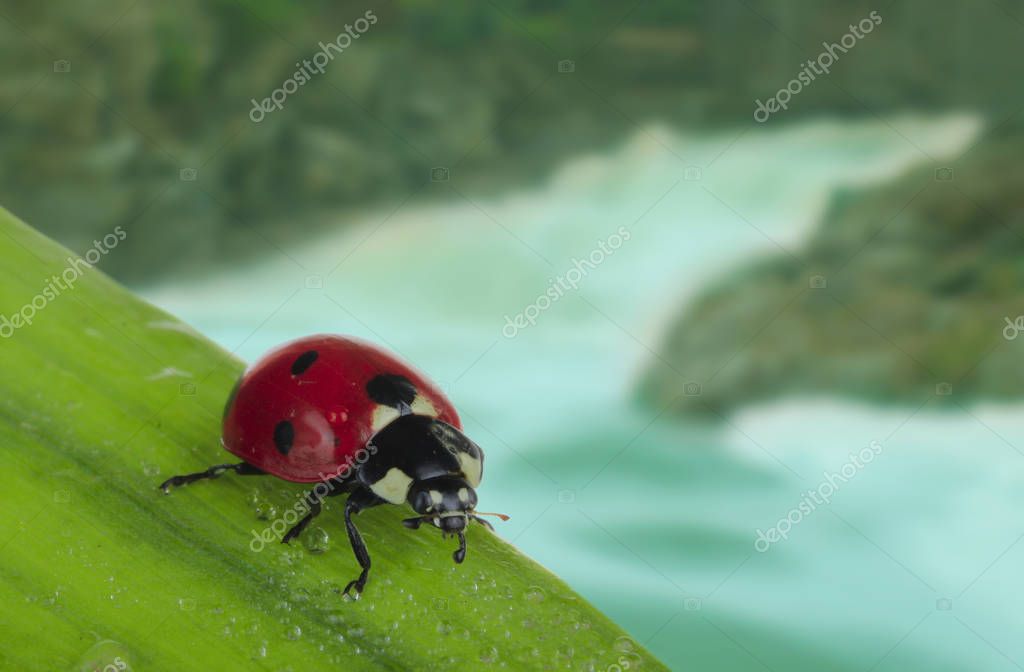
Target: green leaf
(102, 396)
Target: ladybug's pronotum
(340, 411)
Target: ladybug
(355, 420)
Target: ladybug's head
(447, 502)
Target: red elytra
(323, 397)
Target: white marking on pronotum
(436, 497)
(472, 468)
(463, 495)
(382, 417)
(393, 487)
(422, 406)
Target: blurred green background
(717, 311)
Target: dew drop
(264, 509)
(316, 540)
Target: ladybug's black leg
(313, 501)
(242, 469)
(357, 501)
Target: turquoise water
(912, 564)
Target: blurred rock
(901, 295)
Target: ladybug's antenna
(497, 515)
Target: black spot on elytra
(391, 390)
(284, 436)
(303, 362)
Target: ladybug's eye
(421, 502)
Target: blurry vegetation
(157, 87)
(901, 292)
